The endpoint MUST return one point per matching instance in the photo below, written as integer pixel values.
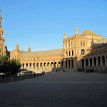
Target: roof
(42, 53)
(103, 40)
(88, 32)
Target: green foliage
(3, 59)
(9, 67)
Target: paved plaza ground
(56, 89)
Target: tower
(17, 47)
(29, 49)
(65, 36)
(76, 30)
(2, 47)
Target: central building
(79, 51)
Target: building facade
(2, 46)
(86, 50)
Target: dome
(88, 32)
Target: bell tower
(2, 47)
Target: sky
(41, 24)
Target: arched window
(37, 64)
(23, 65)
(40, 64)
(48, 64)
(66, 53)
(26, 64)
(54, 64)
(44, 64)
(82, 51)
(69, 53)
(34, 65)
(72, 53)
(30, 64)
(69, 45)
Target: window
(72, 53)
(69, 45)
(69, 53)
(66, 53)
(82, 51)
(82, 43)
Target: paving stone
(56, 89)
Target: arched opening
(48, 64)
(90, 62)
(37, 64)
(30, 64)
(26, 64)
(103, 60)
(72, 63)
(82, 62)
(99, 61)
(87, 63)
(66, 53)
(94, 60)
(61, 63)
(40, 64)
(44, 64)
(55, 64)
(23, 65)
(66, 64)
(82, 51)
(52, 64)
(33, 65)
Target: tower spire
(17, 47)
(65, 36)
(0, 19)
(29, 49)
(76, 30)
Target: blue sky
(41, 24)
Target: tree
(14, 66)
(9, 67)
